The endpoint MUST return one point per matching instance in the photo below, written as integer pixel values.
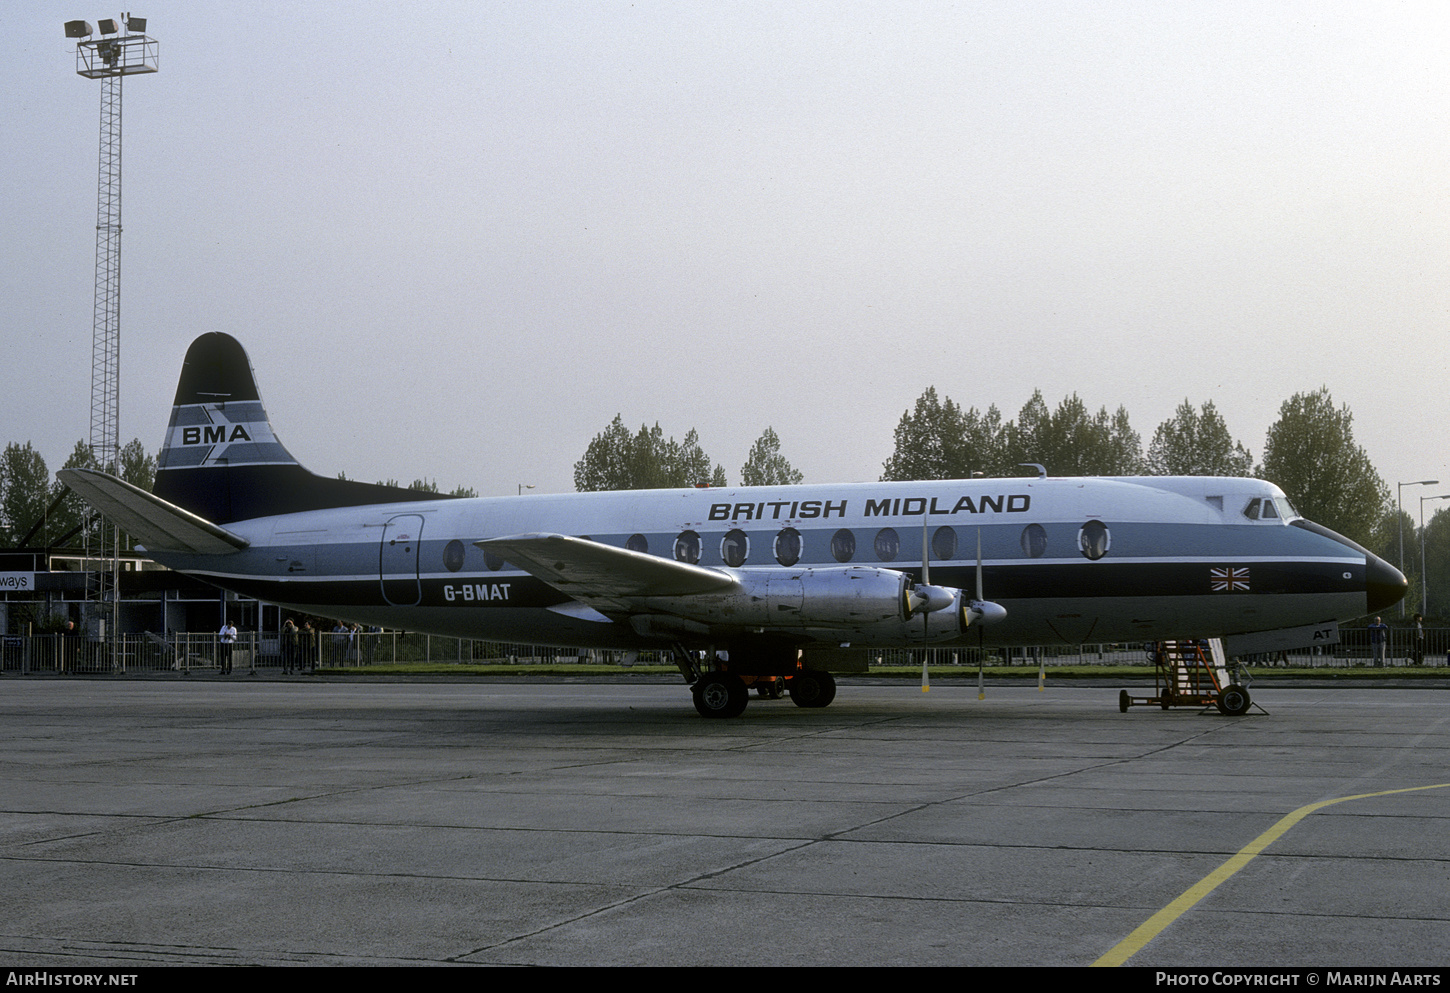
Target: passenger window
(453, 555)
(638, 543)
(888, 544)
(1093, 540)
(687, 547)
(492, 561)
(788, 546)
(843, 545)
(944, 543)
(734, 548)
(1034, 541)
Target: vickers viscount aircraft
(740, 584)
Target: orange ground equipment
(1194, 673)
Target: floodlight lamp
(136, 24)
(77, 29)
(108, 25)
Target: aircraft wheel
(1233, 701)
(810, 688)
(719, 694)
(1123, 702)
(769, 689)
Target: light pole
(123, 49)
(525, 486)
(1400, 520)
(1424, 579)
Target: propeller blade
(925, 558)
(979, 565)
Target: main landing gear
(721, 693)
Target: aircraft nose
(1384, 585)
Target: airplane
(743, 586)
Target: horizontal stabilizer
(602, 575)
(154, 523)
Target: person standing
(308, 662)
(1418, 651)
(1379, 633)
(226, 638)
(289, 646)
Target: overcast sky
(457, 238)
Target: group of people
(1379, 638)
(299, 647)
(302, 647)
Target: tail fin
(221, 458)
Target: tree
(74, 522)
(766, 466)
(927, 441)
(1437, 563)
(24, 490)
(137, 466)
(1310, 453)
(1197, 443)
(618, 460)
(1070, 442)
(937, 440)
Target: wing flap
(602, 575)
(154, 523)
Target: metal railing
(307, 651)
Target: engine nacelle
(860, 604)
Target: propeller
(928, 599)
(981, 612)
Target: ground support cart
(1193, 673)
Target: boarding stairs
(1193, 673)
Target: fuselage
(1072, 560)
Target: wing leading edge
(605, 577)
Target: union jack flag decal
(1229, 580)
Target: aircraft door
(398, 560)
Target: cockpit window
(1270, 509)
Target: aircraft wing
(154, 523)
(603, 576)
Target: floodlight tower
(122, 50)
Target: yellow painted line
(1150, 929)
